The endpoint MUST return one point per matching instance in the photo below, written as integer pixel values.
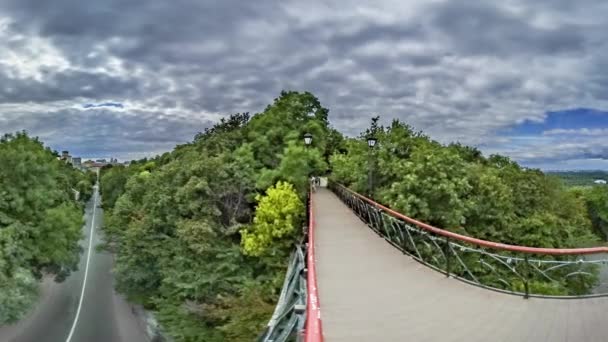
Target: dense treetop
(40, 221)
(455, 187)
(202, 233)
(580, 178)
(176, 222)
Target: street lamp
(308, 139)
(371, 142)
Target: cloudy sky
(131, 78)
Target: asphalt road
(67, 313)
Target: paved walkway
(370, 291)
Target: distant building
(600, 181)
(93, 166)
(65, 156)
(77, 162)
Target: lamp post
(371, 142)
(308, 142)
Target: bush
(277, 217)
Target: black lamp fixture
(308, 139)
(371, 141)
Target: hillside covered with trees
(40, 221)
(456, 188)
(580, 178)
(189, 241)
(202, 233)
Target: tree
(40, 221)
(277, 219)
(597, 204)
(456, 188)
(175, 225)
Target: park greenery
(40, 220)
(456, 188)
(580, 178)
(202, 234)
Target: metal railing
(525, 271)
(290, 313)
(297, 316)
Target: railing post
(446, 252)
(581, 279)
(526, 277)
(381, 228)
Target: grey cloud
(374, 31)
(138, 18)
(101, 132)
(458, 70)
(482, 28)
(64, 85)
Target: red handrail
(484, 243)
(314, 330)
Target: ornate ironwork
(290, 313)
(297, 316)
(525, 271)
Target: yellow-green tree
(276, 221)
(176, 228)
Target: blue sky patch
(570, 119)
(567, 139)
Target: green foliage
(297, 163)
(351, 168)
(113, 180)
(455, 187)
(17, 294)
(580, 178)
(277, 218)
(40, 222)
(596, 199)
(287, 120)
(432, 187)
(174, 222)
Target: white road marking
(86, 269)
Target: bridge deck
(370, 291)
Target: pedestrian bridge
(371, 274)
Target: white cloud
(24, 56)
